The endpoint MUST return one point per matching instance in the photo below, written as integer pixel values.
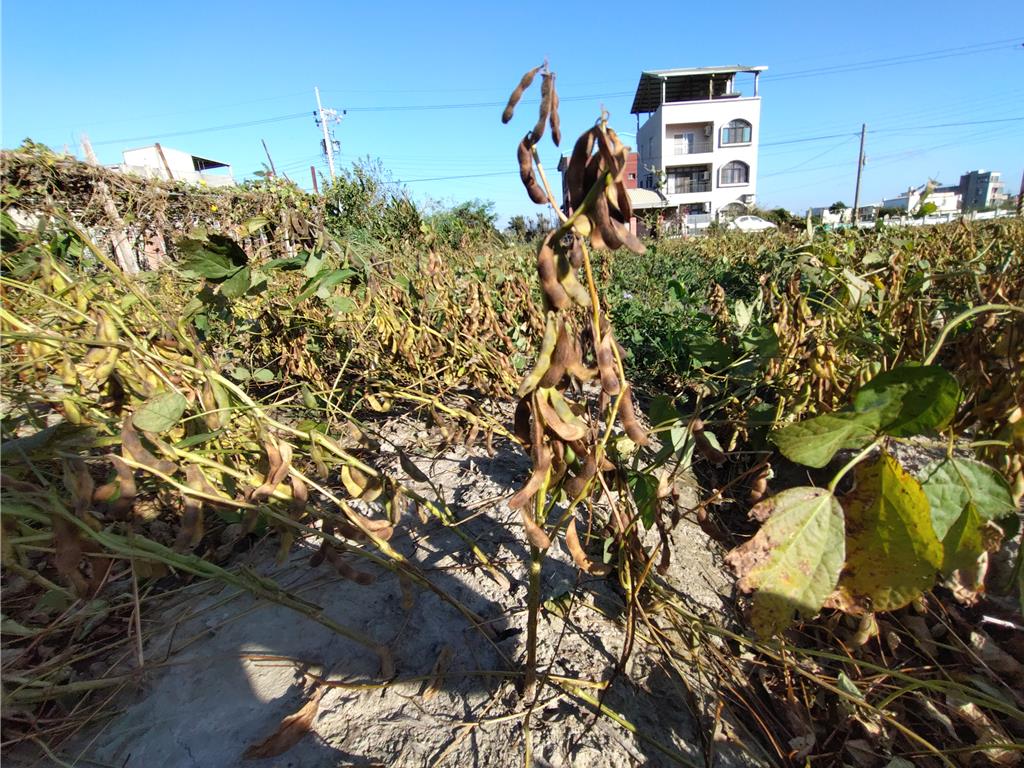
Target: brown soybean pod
(559, 359)
(521, 422)
(547, 271)
(542, 465)
(545, 109)
(575, 173)
(630, 422)
(524, 155)
(534, 533)
(568, 431)
(584, 563)
(704, 445)
(603, 220)
(556, 124)
(575, 485)
(606, 366)
(525, 82)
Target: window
(683, 181)
(734, 173)
(684, 143)
(736, 132)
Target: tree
(518, 228)
(838, 207)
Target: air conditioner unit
(705, 175)
(707, 131)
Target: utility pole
(860, 165)
(270, 160)
(1020, 197)
(322, 119)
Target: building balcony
(696, 147)
(687, 186)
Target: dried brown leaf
(289, 732)
(444, 659)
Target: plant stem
(852, 463)
(967, 314)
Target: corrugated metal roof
(646, 198)
(688, 84)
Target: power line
(210, 129)
(480, 104)
(792, 168)
(947, 125)
(912, 58)
(448, 178)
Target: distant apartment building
(158, 162)
(698, 146)
(981, 189)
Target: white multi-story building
(699, 143)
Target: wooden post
(312, 172)
(126, 258)
(167, 167)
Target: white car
(750, 224)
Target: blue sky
(133, 73)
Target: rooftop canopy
(692, 84)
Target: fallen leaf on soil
(289, 732)
(437, 673)
(987, 732)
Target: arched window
(734, 172)
(736, 132)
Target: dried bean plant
(576, 396)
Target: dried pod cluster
(547, 115)
(566, 438)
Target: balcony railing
(693, 147)
(686, 186)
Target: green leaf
(263, 375)
(744, 314)
(313, 264)
(293, 263)
(214, 257)
(342, 305)
(814, 442)
(334, 277)
(255, 224)
(893, 554)
(14, 629)
(645, 494)
(952, 484)
(794, 561)
(237, 284)
(910, 400)
(240, 373)
(160, 412)
(962, 545)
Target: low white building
(945, 199)
(698, 145)
(158, 162)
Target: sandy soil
(226, 668)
